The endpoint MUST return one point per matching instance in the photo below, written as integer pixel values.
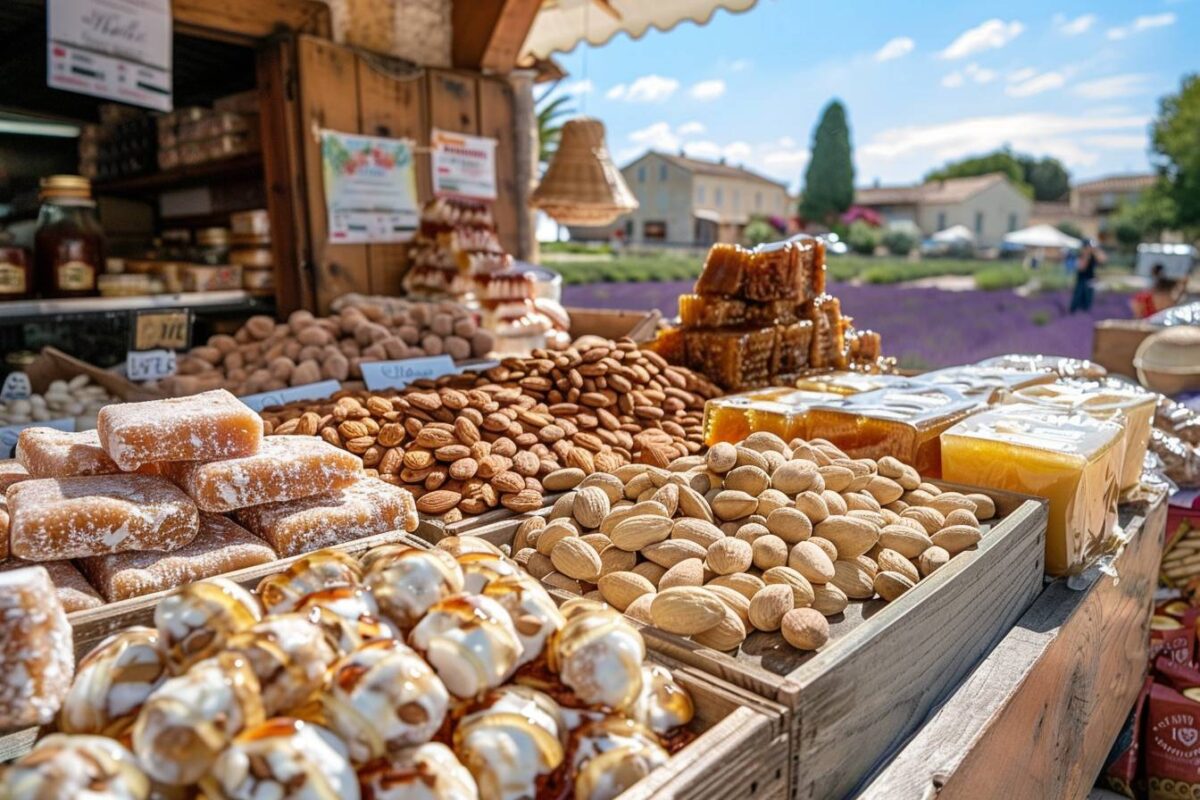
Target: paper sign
(9, 433)
(115, 49)
(149, 365)
(170, 329)
(463, 166)
(398, 374)
(308, 391)
(16, 387)
(370, 188)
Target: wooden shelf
(234, 301)
(155, 182)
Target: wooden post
(525, 163)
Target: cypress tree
(829, 178)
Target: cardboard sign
(398, 374)
(463, 166)
(149, 365)
(308, 391)
(370, 188)
(9, 433)
(115, 49)
(168, 329)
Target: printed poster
(463, 166)
(370, 188)
(115, 49)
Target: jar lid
(211, 236)
(54, 186)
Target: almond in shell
(686, 610)
(591, 507)
(808, 559)
(696, 530)
(802, 590)
(688, 572)
(891, 561)
(636, 532)
(622, 588)
(956, 538)
(905, 540)
(728, 634)
(890, 585)
(850, 535)
(729, 555)
(731, 504)
(829, 600)
(805, 629)
(670, 552)
(743, 583)
(576, 559)
(768, 606)
(856, 581)
(932, 559)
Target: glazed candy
(284, 468)
(221, 546)
(406, 582)
(426, 772)
(284, 759)
(53, 518)
(195, 622)
(598, 655)
(73, 590)
(187, 721)
(511, 740)
(66, 767)
(471, 642)
(663, 705)
(842, 382)
(1073, 460)
(37, 659)
(324, 569)
(781, 411)
(363, 508)
(1063, 366)
(612, 755)
(51, 453)
(775, 272)
(534, 614)
(724, 270)
(11, 471)
(793, 347)
(203, 427)
(828, 344)
(382, 698)
(112, 682)
(290, 656)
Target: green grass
(991, 279)
(578, 248)
(629, 269)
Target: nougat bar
(284, 468)
(73, 590)
(51, 453)
(54, 518)
(12, 471)
(203, 427)
(37, 655)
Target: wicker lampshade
(582, 186)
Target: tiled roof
(1117, 183)
(702, 167)
(951, 190)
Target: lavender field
(922, 327)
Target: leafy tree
(550, 113)
(1152, 213)
(862, 238)
(999, 161)
(899, 243)
(759, 231)
(1043, 179)
(829, 178)
(1175, 138)
(1070, 229)
(1048, 177)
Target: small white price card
(149, 365)
(16, 387)
(398, 374)
(309, 391)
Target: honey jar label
(76, 276)
(12, 279)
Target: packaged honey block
(792, 344)
(841, 382)
(204, 427)
(51, 453)
(710, 311)
(1063, 366)
(773, 273)
(364, 508)
(1103, 402)
(55, 518)
(1072, 460)
(73, 590)
(724, 270)
(735, 359)
(12, 471)
(221, 546)
(284, 468)
(781, 411)
(985, 384)
(669, 343)
(903, 422)
(37, 657)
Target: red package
(1173, 608)
(1121, 773)
(1183, 678)
(1171, 637)
(1172, 745)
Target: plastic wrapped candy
(781, 411)
(985, 384)
(598, 655)
(283, 758)
(73, 767)
(112, 682)
(1063, 366)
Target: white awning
(562, 24)
(707, 214)
(955, 233)
(1042, 236)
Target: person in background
(1071, 261)
(1163, 293)
(1090, 257)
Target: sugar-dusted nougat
(363, 508)
(724, 270)
(12, 471)
(73, 590)
(203, 427)
(37, 654)
(53, 518)
(221, 546)
(51, 453)
(284, 468)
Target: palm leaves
(550, 114)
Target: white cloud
(646, 89)
(690, 128)
(739, 65)
(584, 86)
(1117, 141)
(953, 80)
(1020, 75)
(737, 151)
(1044, 82)
(1074, 27)
(895, 48)
(1112, 86)
(1142, 23)
(707, 90)
(990, 35)
(656, 136)
(979, 74)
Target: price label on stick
(308, 391)
(149, 365)
(380, 375)
(170, 329)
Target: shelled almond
(746, 536)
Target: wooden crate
(887, 665)
(1039, 714)
(433, 530)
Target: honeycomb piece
(669, 344)
(735, 359)
(711, 311)
(816, 273)
(724, 270)
(793, 346)
(772, 273)
(827, 347)
(772, 312)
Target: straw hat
(582, 185)
(1169, 361)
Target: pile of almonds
(762, 535)
(264, 356)
(468, 443)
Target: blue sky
(923, 82)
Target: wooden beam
(488, 34)
(250, 19)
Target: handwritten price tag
(16, 387)
(398, 374)
(170, 330)
(309, 391)
(149, 365)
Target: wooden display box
(1115, 342)
(53, 364)
(852, 704)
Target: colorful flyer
(463, 166)
(370, 188)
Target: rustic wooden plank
(452, 103)
(250, 20)
(1115, 342)
(496, 121)
(328, 99)
(488, 34)
(1039, 714)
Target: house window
(642, 174)
(978, 222)
(700, 195)
(628, 229)
(662, 172)
(941, 226)
(758, 201)
(654, 230)
(717, 196)
(1012, 222)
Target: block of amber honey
(284, 468)
(901, 422)
(203, 427)
(1103, 402)
(828, 344)
(724, 270)
(864, 347)
(73, 590)
(771, 312)
(773, 273)
(985, 384)
(221, 546)
(51, 453)
(846, 383)
(669, 343)
(735, 359)
(710, 311)
(55, 518)
(782, 411)
(793, 346)
(1072, 460)
(817, 272)
(364, 508)
(12, 471)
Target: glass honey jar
(69, 242)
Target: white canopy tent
(953, 234)
(1044, 236)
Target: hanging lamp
(582, 185)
